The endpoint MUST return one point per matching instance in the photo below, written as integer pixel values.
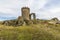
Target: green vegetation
(31, 32)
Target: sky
(44, 9)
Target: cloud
(44, 9)
(50, 9)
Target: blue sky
(44, 9)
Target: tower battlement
(25, 8)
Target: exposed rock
(55, 19)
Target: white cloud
(43, 8)
(55, 10)
(14, 6)
(50, 10)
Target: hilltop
(41, 30)
(26, 28)
(31, 32)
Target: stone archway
(32, 15)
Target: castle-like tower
(25, 13)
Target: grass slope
(32, 32)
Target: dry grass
(32, 32)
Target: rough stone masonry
(25, 18)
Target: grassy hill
(32, 32)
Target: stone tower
(25, 13)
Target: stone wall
(34, 16)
